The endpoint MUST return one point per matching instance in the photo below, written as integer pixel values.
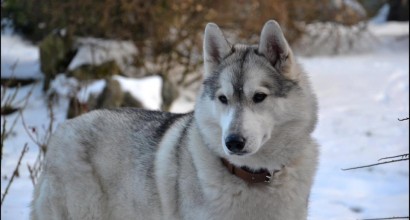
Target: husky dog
(246, 152)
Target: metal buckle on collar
(268, 178)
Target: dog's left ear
(274, 46)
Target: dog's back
(99, 164)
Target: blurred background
(61, 59)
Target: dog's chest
(243, 202)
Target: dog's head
(252, 95)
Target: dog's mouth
(239, 153)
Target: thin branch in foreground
(403, 119)
(31, 171)
(35, 169)
(3, 137)
(15, 172)
(375, 164)
(34, 139)
(405, 217)
(403, 156)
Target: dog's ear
(215, 47)
(274, 46)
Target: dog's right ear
(215, 48)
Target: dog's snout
(235, 143)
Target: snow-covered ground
(360, 99)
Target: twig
(375, 164)
(36, 167)
(403, 119)
(32, 174)
(402, 156)
(405, 217)
(7, 132)
(3, 137)
(15, 173)
(34, 139)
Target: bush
(168, 34)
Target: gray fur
(137, 164)
(248, 57)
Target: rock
(76, 108)
(131, 101)
(111, 97)
(56, 52)
(169, 93)
(102, 71)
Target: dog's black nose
(235, 143)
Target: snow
(381, 16)
(64, 86)
(360, 98)
(19, 58)
(98, 51)
(396, 29)
(146, 90)
(94, 88)
(7, 27)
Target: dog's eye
(223, 99)
(259, 97)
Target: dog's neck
(249, 176)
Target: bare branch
(34, 139)
(403, 119)
(375, 164)
(405, 217)
(15, 173)
(32, 174)
(3, 137)
(402, 156)
(41, 141)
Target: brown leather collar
(262, 176)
